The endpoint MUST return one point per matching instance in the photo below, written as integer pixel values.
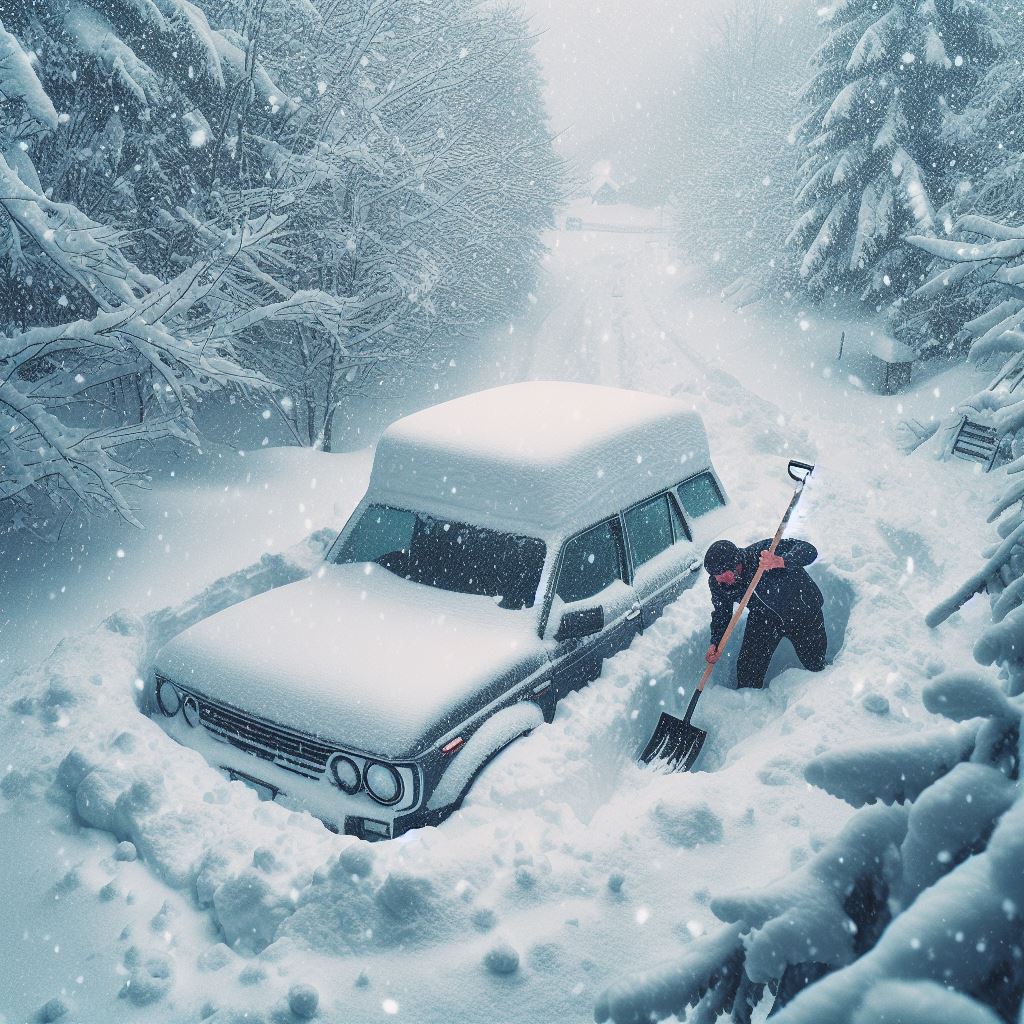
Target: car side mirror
(580, 622)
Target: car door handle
(634, 611)
(694, 566)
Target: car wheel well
(482, 767)
(493, 736)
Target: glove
(712, 656)
(770, 561)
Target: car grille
(291, 750)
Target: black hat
(722, 555)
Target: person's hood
(359, 657)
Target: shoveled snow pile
(915, 903)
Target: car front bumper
(352, 814)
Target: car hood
(359, 657)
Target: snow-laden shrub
(912, 913)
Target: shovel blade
(676, 742)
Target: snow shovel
(676, 740)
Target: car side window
(649, 527)
(700, 495)
(590, 563)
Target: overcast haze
(610, 68)
(615, 74)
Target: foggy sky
(618, 74)
(611, 67)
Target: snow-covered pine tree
(987, 134)
(986, 183)
(876, 160)
(912, 914)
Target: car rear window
(700, 495)
(448, 555)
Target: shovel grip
(806, 467)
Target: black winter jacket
(788, 593)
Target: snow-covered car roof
(542, 455)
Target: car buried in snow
(508, 543)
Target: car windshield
(448, 555)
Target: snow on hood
(365, 659)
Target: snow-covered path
(565, 851)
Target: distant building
(604, 190)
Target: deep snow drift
(143, 885)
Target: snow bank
(113, 765)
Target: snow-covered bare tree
(876, 156)
(305, 190)
(101, 321)
(424, 173)
(407, 140)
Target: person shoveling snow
(785, 604)
(676, 740)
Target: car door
(663, 556)
(592, 573)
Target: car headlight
(168, 698)
(346, 774)
(383, 782)
(190, 710)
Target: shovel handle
(745, 600)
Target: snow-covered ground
(139, 885)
